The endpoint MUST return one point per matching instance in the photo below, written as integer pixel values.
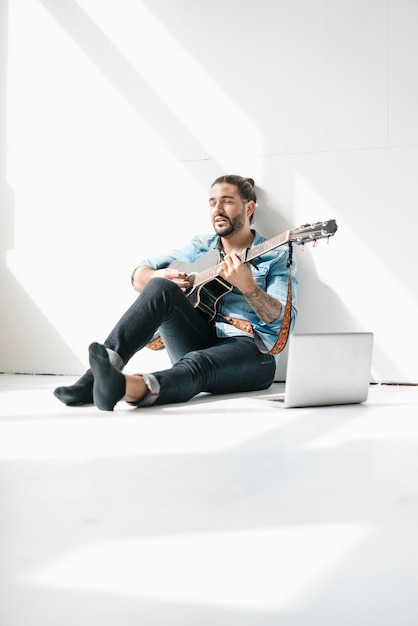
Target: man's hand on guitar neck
(240, 275)
(237, 273)
(144, 273)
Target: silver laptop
(325, 369)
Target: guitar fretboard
(264, 247)
(206, 275)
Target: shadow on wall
(320, 309)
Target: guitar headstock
(310, 233)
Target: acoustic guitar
(206, 287)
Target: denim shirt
(271, 274)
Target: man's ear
(250, 207)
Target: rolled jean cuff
(153, 390)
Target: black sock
(81, 392)
(109, 383)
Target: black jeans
(201, 361)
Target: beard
(233, 226)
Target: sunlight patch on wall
(209, 113)
(64, 117)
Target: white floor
(219, 512)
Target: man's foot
(109, 383)
(79, 393)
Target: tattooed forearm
(266, 307)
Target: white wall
(117, 116)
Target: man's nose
(216, 206)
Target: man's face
(228, 211)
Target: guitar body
(205, 296)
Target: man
(223, 348)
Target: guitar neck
(265, 246)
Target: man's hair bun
(245, 186)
